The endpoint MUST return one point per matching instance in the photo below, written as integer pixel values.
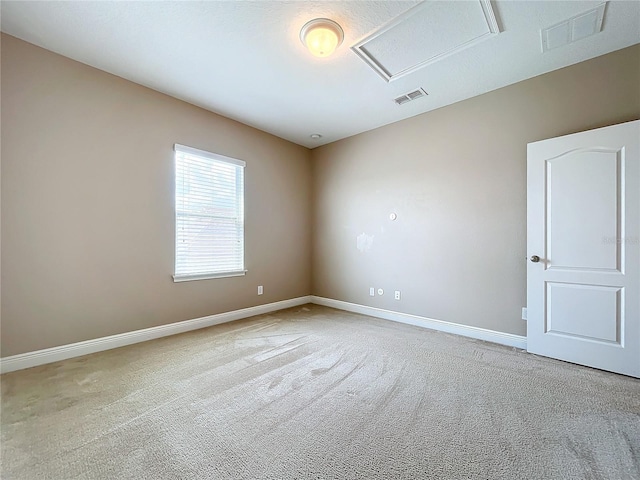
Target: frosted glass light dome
(321, 36)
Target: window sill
(208, 276)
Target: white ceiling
(244, 59)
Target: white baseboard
(508, 339)
(63, 352)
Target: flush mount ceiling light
(321, 36)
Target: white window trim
(207, 276)
(213, 156)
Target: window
(209, 215)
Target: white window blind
(209, 215)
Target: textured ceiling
(244, 59)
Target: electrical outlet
(397, 295)
(524, 313)
(372, 292)
(260, 290)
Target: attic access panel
(425, 34)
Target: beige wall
(87, 205)
(456, 177)
(87, 201)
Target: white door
(583, 244)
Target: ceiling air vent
(573, 29)
(407, 97)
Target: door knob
(535, 258)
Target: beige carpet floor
(316, 393)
